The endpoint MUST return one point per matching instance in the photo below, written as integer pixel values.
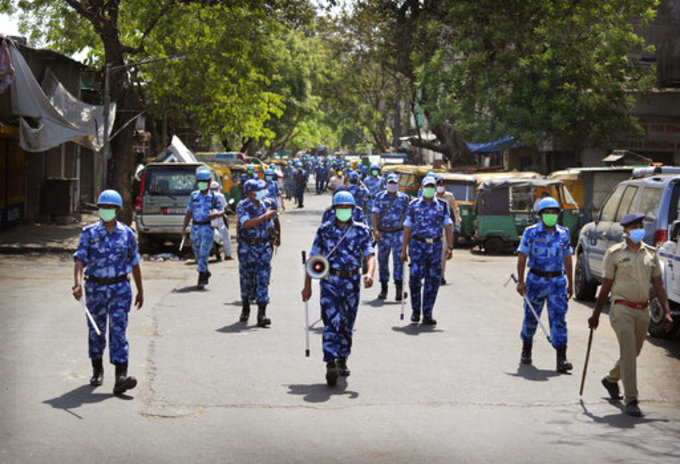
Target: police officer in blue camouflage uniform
(357, 212)
(246, 176)
(357, 189)
(273, 191)
(426, 218)
(201, 202)
(107, 253)
(299, 184)
(288, 173)
(375, 184)
(258, 230)
(547, 248)
(389, 212)
(345, 243)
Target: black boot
(415, 316)
(123, 382)
(201, 281)
(342, 367)
(563, 365)
(331, 373)
(383, 291)
(97, 372)
(245, 311)
(207, 274)
(262, 320)
(400, 290)
(526, 352)
(429, 321)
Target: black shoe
(443, 281)
(415, 316)
(201, 281)
(331, 373)
(208, 274)
(400, 290)
(563, 366)
(383, 291)
(429, 321)
(262, 320)
(123, 382)
(632, 409)
(612, 388)
(245, 311)
(97, 372)
(342, 367)
(526, 353)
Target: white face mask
(392, 187)
(440, 189)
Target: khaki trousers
(630, 326)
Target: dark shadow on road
(188, 289)
(238, 303)
(672, 346)
(529, 372)
(416, 329)
(79, 396)
(320, 392)
(620, 420)
(238, 327)
(380, 303)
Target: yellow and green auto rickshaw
(409, 180)
(463, 187)
(505, 206)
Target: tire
(144, 242)
(584, 289)
(494, 245)
(657, 327)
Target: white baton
(89, 316)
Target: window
(609, 209)
(521, 198)
(462, 192)
(170, 182)
(650, 200)
(627, 202)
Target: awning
(490, 147)
(57, 116)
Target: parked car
(161, 204)
(658, 197)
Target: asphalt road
(213, 390)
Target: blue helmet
(250, 167)
(250, 185)
(392, 178)
(547, 203)
(343, 198)
(364, 168)
(353, 176)
(375, 167)
(268, 172)
(202, 174)
(110, 197)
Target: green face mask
(549, 219)
(202, 186)
(428, 192)
(343, 214)
(107, 214)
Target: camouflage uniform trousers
(339, 303)
(390, 242)
(113, 301)
(201, 243)
(426, 263)
(254, 268)
(554, 290)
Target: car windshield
(170, 182)
(462, 192)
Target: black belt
(106, 280)
(396, 229)
(343, 274)
(202, 223)
(427, 240)
(546, 273)
(254, 241)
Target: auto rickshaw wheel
(494, 245)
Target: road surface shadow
(188, 289)
(80, 396)
(320, 392)
(529, 372)
(380, 303)
(416, 329)
(238, 303)
(238, 327)
(620, 420)
(672, 346)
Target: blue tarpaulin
(490, 147)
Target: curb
(23, 250)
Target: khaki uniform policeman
(629, 267)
